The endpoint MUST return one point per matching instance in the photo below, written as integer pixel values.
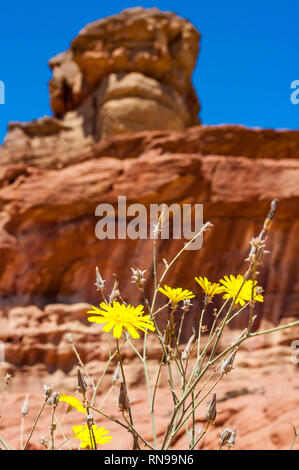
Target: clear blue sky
(248, 57)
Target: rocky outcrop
(48, 243)
(125, 124)
(129, 72)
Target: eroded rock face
(128, 73)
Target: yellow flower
(83, 434)
(209, 288)
(176, 295)
(232, 286)
(73, 402)
(119, 316)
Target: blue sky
(248, 57)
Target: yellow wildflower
(83, 434)
(119, 316)
(209, 288)
(176, 294)
(233, 284)
(73, 402)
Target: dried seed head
(81, 383)
(225, 436)
(69, 337)
(232, 439)
(47, 391)
(123, 399)
(99, 280)
(53, 400)
(211, 409)
(116, 375)
(44, 441)
(24, 409)
(7, 379)
(241, 336)
(115, 292)
(138, 277)
(89, 421)
(227, 365)
(186, 305)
